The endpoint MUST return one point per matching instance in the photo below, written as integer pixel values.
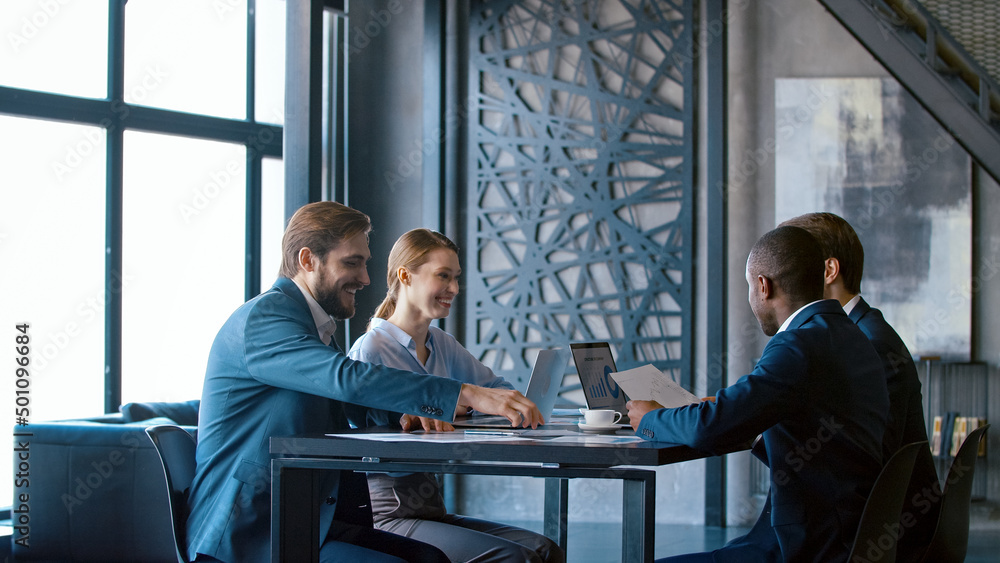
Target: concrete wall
(385, 121)
(985, 289)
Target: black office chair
(885, 504)
(176, 449)
(951, 536)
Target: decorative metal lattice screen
(580, 187)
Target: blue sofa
(95, 489)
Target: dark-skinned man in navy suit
(815, 402)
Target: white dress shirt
(326, 325)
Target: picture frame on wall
(865, 149)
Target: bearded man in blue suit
(844, 265)
(816, 399)
(274, 370)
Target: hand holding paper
(648, 382)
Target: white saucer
(596, 428)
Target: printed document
(649, 383)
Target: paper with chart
(649, 383)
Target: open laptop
(543, 389)
(595, 365)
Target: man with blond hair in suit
(843, 267)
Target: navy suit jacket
(904, 426)
(818, 398)
(269, 374)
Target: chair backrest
(880, 529)
(176, 449)
(951, 536)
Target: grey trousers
(471, 540)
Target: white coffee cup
(600, 417)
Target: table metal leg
(295, 488)
(638, 508)
(556, 510)
(294, 512)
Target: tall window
(140, 161)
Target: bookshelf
(962, 387)
(956, 400)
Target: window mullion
(253, 186)
(113, 277)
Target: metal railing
(926, 60)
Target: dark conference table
(297, 460)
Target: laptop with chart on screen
(595, 364)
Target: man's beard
(329, 298)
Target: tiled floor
(596, 543)
(984, 533)
(586, 545)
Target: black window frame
(262, 140)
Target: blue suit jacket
(818, 397)
(905, 425)
(269, 374)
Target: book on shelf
(947, 432)
(950, 431)
(973, 423)
(935, 439)
(959, 434)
